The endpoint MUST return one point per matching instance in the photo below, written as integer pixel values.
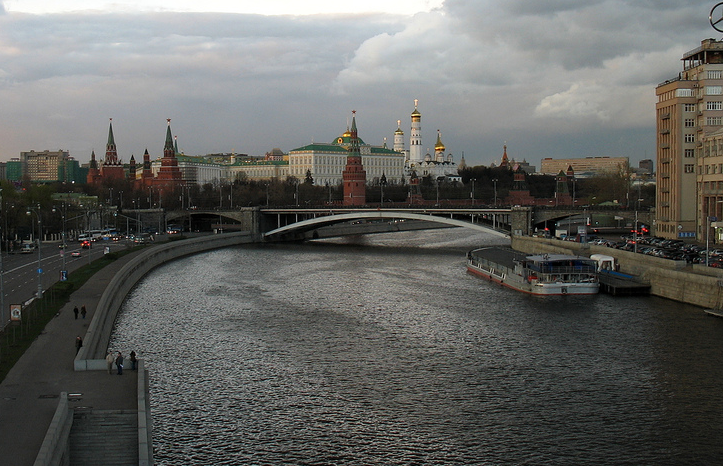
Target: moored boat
(543, 274)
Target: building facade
(45, 167)
(689, 119)
(326, 161)
(583, 167)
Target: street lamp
(472, 193)
(36, 211)
(494, 181)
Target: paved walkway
(29, 394)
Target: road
(20, 277)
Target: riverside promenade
(50, 388)
(30, 393)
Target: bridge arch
(297, 230)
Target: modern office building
(689, 140)
(45, 167)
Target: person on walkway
(133, 360)
(110, 359)
(83, 311)
(78, 344)
(119, 363)
(75, 311)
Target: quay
(59, 408)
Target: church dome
(439, 147)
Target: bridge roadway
(299, 224)
(293, 223)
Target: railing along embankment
(92, 355)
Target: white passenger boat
(544, 274)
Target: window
(689, 122)
(689, 107)
(713, 90)
(684, 92)
(714, 121)
(690, 138)
(688, 153)
(689, 168)
(715, 74)
(714, 105)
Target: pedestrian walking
(133, 360)
(119, 363)
(75, 311)
(78, 344)
(83, 311)
(110, 359)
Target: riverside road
(29, 394)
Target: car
(85, 244)
(75, 254)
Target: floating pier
(619, 284)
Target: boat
(543, 274)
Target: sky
(554, 78)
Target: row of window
(713, 169)
(711, 120)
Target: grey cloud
(541, 75)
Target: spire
(354, 147)
(111, 140)
(505, 161)
(93, 162)
(168, 150)
(175, 145)
(111, 154)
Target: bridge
(293, 224)
(297, 223)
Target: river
(382, 350)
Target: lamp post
(494, 181)
(472, 193)
(36, 211)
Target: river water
(382, 350)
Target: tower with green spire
(169, 175)
(112, 167)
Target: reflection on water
(385, 351)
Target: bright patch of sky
(265, 7)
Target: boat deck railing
(562, 269)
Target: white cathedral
(440, 165)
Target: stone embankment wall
(92, 355)
(676, 280)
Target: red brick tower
(112, 167)
(146, 172)
(169, 175)
(354, 175)
(132, 169)
(93, 172)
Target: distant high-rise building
(689, 154)
(646, 166)
(44, 167)
(14, 169)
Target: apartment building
(689, 139)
